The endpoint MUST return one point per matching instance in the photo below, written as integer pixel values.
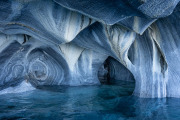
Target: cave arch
(113, 72)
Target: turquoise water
(108, 102)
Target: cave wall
(65, 42)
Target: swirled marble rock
(72, 42)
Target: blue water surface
(106, 102)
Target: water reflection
(109, 102)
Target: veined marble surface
(67, 42)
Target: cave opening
(112, 72)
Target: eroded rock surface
(68, 42)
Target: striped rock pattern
(72, 42)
